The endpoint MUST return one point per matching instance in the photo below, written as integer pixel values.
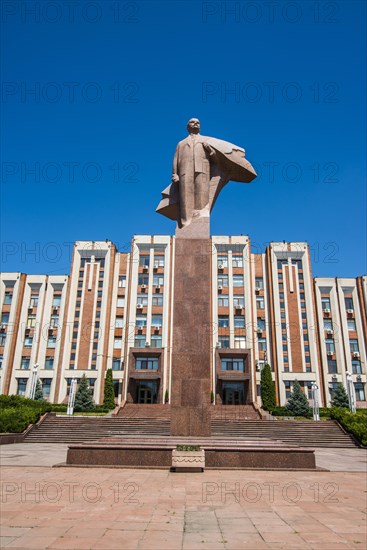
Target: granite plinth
(190, 396)
(219, 453)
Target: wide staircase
(297, 432)
(144, 420)
(234, 412)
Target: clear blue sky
(115, 83)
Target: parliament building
(116, 311)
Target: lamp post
(315, 401)
(34, 378)
(350, 392)
(71, 400)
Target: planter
(188, 461)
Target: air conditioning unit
(158, 287)
(2, 327)
(156, 328)
(145, 268)
(330, 331)
(217, 345)
(257, 290)
(220, 266)
(350, 311)
(258, 329)
(356, 354)
(326, 310)
(30, 307)
(147, 344)
(143, 286)
(139, 306)
(220, 287)
(330, 353)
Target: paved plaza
(106, 508)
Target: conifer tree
(339, 397)
(109, 394)
(267, 389)
(83, 398)
(38, 394)
(298, 402)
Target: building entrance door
(145, 396)
(233, 393)
(146, 393)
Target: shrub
(17, 412)
(38, 394)
(354, 423)
(297, 403)
(267, 389)
(339, 397)
(109, 394)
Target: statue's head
(193, 126)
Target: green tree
(109, 393)
(83, 398)
(339, 397)
(298, 402)
(267, 389)
(38, 394)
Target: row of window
(330, 345)
(348, 302)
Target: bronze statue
(201, 168)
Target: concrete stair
(303, 433)
(58, 429)
(234, 412)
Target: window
(156, 341)
(119, 322)
(302, 295)
(31, 321)
(2, 339)
(56, 300)
(117, 343)
(5, 319)
(116, 364)
(288, 389)
(121, 301)
(260, 303)
(332, 367)
(356, 366)
(159, 261)
(1, 361)
(238, 301)
(139, 341)
(222, 280)
(142, 299)
(237, 261)
(353, 342)
(28, 341)
(222, 261)
(51, 342)
(348, 303)
(144, 260)
(46, 386)
(224, 342)
(259, 283)
(223, 300)
(260, 323)
(281, 295)
(157, 320)
(25, 363)
(34, 300)
(328, 324)
(141, 321)
(223, 321)
(359, 391)
(351, 324)
(237, 280)
(239, 321)
(157, 300)
(158, 280)
(21, 386)
(54, 322)
(146, 363)
(239, 342)
(262, 344)
(8, 298)
(325, 304)
(329, 344)
(122, 281)
(49, 363)
(232, 364)
(143, 280)
(280, 263)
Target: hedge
(17, 412)
(354, 423)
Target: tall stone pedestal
(190, 402)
